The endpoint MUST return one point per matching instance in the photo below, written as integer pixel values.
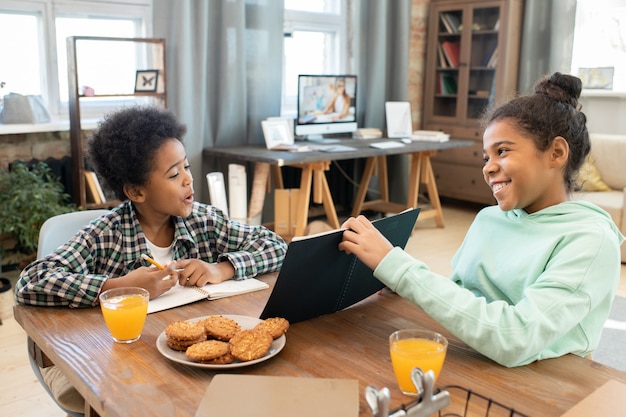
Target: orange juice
(125, 315)
(411, 352)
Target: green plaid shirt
(111, 246)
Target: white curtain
(224, 69)
(224, 65)
(547, 40)
(382, 37)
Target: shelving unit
(150, 55)
(472, 61)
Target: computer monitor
(326, 105)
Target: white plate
(245, 322)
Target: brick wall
(417, 59)
(28, 146)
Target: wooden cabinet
(149, 56)
(472, 61)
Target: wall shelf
(150, 54)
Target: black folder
(317, 278)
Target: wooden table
(315, 164)
(136, 380)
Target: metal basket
(447, 401)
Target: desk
(314, 165)
(135, 380)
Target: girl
(536, 275)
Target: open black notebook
(317, 278)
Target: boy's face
(170, 185)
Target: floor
(23, 396)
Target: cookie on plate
(222, 360)
(182, 334)
(275, 326)
(220, 327)
(206, 351)
(248, 345)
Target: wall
(605, 113)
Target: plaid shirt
(111, 246)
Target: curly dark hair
(123, 147)
(553, 110)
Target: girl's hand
(365, 241)
(199, 273)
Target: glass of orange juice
(416, 348)
(125, 310)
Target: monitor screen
(326, 104)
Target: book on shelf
(447, 84)
(180, 295)
(493, 59)
(452, 52)
(451, 22)
(490, 58)
(430, 136)
(367, 133)
(93, 188)
(441, 57)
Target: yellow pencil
(152, 261)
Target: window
(315, 43)
(38, 30)
(599, 55)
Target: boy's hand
(365, 241)
(155, 280)
(199, 273)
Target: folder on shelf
(94, 190)
(217, 191)
(399, 121)
(238, 192)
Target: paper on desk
(607, 401)
(277, 396)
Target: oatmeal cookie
(275, 326)
(222, 360)
(220, 327)
(248, 345)
(182, 334)
(207, 350)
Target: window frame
(47, 11)
(334, 23)
(590, 92)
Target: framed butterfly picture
(146, 81)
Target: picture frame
(146, 81)
(600, 78)
(277, 133)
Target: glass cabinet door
(467, 51)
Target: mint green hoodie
(524, 286)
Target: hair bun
(561, 87)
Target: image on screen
(326, 104)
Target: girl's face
(169, 189)
(519, 175)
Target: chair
(53, 233)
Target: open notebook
(317, 278)
(180, 295)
